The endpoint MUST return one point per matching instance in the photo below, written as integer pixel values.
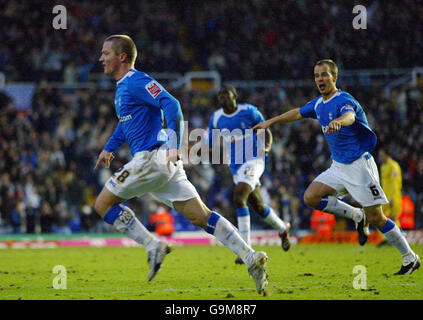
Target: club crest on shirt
(118, 102)
(153, 88)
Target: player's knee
(199, 218)
(194, 210)
(375, 217)
(311, 199)
(375, 220)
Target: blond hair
(333, 68)
(124, 44)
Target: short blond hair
(333, 68)
(124, 44)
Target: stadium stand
(248, 40)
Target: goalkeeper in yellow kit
(391, 184)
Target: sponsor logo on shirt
(153, 88)
(347, 107)
(118, 102)
(125, 118)
(325, 128)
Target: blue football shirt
(142, 105)
(240, 140)
(349, 143)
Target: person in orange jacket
(162, 221)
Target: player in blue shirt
(353, 169)
(234, 122)
(143, 108)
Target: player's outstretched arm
(348, 118)
(289, 116)
(268, 141)
(114, 143)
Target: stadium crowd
(47, 154)
(258, 39)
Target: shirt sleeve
(116, 140)
(174, 119)
(149, 91)
(347, 106)
(257, 116)
(307, 111)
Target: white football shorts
(147, 172)
(360, 179)
(250, 172)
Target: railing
(410, 77)
(211, 80)
(349, 77)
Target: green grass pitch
(317, 271)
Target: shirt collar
(126, 75)
(337, 93)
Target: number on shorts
(374, 190)
(116, 172)
(249, 171)
(123, 176)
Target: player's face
(226, 99)
(324, 80)
(109, 59)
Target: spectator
(249, 36)
(46, 217)
(70, 74)
(161, 221)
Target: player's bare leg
(392, 233)
(315, 192)
(105, 200)
(322, 197)
(256, 202)
(110, 207)
(194, 210)
(200, 215)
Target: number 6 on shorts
(374, 191)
